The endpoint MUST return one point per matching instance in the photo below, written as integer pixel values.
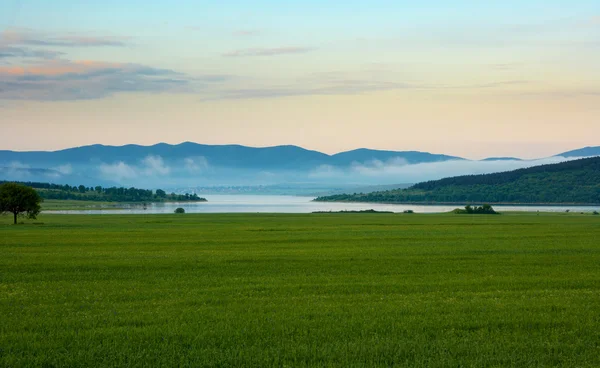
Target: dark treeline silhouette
(575, 181)
(112, 194)
(590, 165)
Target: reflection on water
(290, 204)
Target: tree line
(111, 194)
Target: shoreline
(469, 203)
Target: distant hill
(228, 156)
(218, 155)
(48, 175)
(368, 155)
(199, 165)
(576, 181)
(583, 152)
(502, 159)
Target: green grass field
(339, 290)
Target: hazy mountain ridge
(503, 159)
(366, 155)
(190, 164)
(237, 156)
(50, 175)
(582, 152)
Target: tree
(19, 200)
(179, 210)
(161, 193)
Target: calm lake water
(291, 204)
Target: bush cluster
(486, 209)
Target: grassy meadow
(345, 290)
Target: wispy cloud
(342, 87)
(150, 166)
(65, 80)
(19, 45)
(154, 165)
(27, 52)
(117, 171)
(495, 84)
(269, 51)
(237, 33)
(19, 36)
(347, 83)
(65, 169)
(196, 164)
(18, 165)
(246, 32)
(563, 93)
(506, 66)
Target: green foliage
(354, 211)
(486, 209)
(20, 200)
(179, 210)
(575, 181)
(409, 211)
(241, 290)
(596, 213)
(113, 194)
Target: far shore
(466, 202)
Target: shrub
(409, 211)
(179, 210)
(596, 213)
(486, 209)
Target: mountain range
(233, 156)
(188, 163)
(582, 152)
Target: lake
(292, 204)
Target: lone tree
(179, 210)
(19, 200)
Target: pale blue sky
(501, 74)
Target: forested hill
(576, 181)
(112, 194)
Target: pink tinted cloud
(56, 68)
(85, 79)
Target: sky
(466, 78)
